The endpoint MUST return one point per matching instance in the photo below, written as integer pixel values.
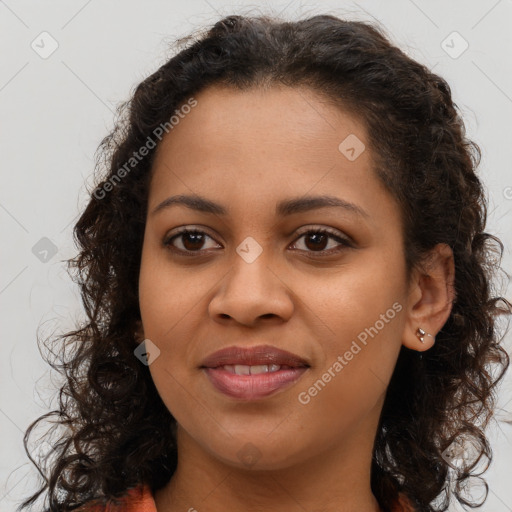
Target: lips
(253, 356)
(253, 373)
(252, 387)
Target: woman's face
(260, 273)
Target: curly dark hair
(117, 432)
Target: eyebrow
(283, 209)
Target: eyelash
(345, 243)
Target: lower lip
(252, 387)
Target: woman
(287, 283)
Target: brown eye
(317, 240)
(190, 240)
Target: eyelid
(330, 231)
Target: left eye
(316, 240)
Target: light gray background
(55, 110)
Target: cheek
(354, 298)
(355, 369)
(165, 318)
(359, 336)
(167, 294)
(169, 300)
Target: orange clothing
(137, 499)
(140, 499)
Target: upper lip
(257, 355)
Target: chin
(259, 452)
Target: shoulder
(136, 499)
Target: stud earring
(421, 335)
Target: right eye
(191, 241)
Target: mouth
(251, 373)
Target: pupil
(317, 238)
(196, 239)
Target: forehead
(288, 131)
(257, 147)
(279, 117)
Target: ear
(430, 299)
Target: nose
(251, 293)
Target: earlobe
(430, 300)
(420, 333)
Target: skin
(248, 151)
